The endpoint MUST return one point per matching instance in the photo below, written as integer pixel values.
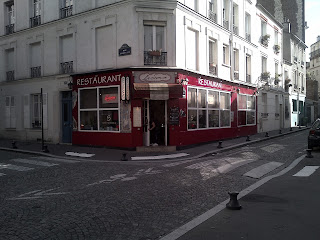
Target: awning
(157, 91)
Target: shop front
(130, 109)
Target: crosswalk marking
(262, 170)
(2, 174)
(273, 148)
(14, 167)
(55, 159)
(306, 171)
(34, 162)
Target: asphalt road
(50, 198)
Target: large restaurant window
(208, 108)
(99, 109)
(246, 110)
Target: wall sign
(174, 116)
(124, 50)
(155, 77)
(137, 117)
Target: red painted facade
(178, 135)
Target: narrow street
(52, 198)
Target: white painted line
(55, 159)
(160, 156)
(213, 211)
(34, 162)
(306, 171)
(273, 148)
(262, 170)
(2, 174)
(14, 167)
(75, 154)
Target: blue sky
(312, 11)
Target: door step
(156, 149)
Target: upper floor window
(192, 49)
(264, 67)
(66, 8)
(225, 52)
(212, 12)
(248, 27)
(213, 56)
(264, 36)
(35, 20)
(193, 4)
(226, 10)
(10, 112)
(10, 66)
(154, 44)
(236, 63)
(235, 19)
(10, 17)
(66, 54)
(248, 68)
(35, 60)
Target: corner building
(107, 67)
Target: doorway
(66, 116)
(156, 111)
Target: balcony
(248, 78)
(226, 24)
(9, 29)
(35, 72)
(66, 11)
(248, 37)
(212, 16)
(35, 21)
(236, 75)
(235, 29)
(265, 40)
(213, 69)
(276, 48)
(155, 58)
(10, 75)
(66, 67)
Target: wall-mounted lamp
(70, 85)
(125, 89)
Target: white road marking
(306, 171)
(85, 155)
(273, 148)
(160, 156)
(55, 159)
(34, 162)
(262, 170)
(37, 194)
(2, 174)
(14, 167)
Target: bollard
(267, 134)
(220, 144)
(299, 126)
(45, 149)
(280, 131)
(291, 129)
(309, 153)
(248, 138)
(124, 157)
(14, 146)
(233, 204)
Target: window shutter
(45, 110)
(7, 112)
(26, 111)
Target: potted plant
(154, 52)
(265, 39)
(276, 48)
(265, 75)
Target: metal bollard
(248, 138)
(45, 149)
(267, 134)
(220, 144)
(280, 131)
(291, 129)
(309, 153)
(14, 146)
(124, 157)
(233, 204)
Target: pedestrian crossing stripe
(14, 167)
(34, 162)
(55, 159)
(306, 171)
(2, 174)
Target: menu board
(174, 116)
(137, 117)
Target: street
(52, 198)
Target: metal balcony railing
(10, 75)
(295, 59)
(226, 24)
(235, 29)
(248, 78)
(9, 29)
(212, 16)
(66, 11)
(212, 69)
(35, 21)
(66, 67)
(236, 75)
(155, 58)
(248, 37)
(35, 72)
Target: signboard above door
(155, 77)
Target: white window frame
(154, 26)
(36, 8)
(226, 55)
(34, 118)
(10, 112)
(10, 12)
(248, 109)
(97, 109)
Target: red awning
(157, 91)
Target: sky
(312, 16)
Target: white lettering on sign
(209, 83)
(154, 77)
(98, 80)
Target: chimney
(287, 25)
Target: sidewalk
(111, 154)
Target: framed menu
(174, 116)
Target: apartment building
(314, 68)
(193, 66)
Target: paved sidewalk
(111, 154)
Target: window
(235, 19)
(212, 57)
(236, 63)
(10, 19)
(9, 64)
(226, 60)
(35, 20)
(193, 4)
(36, 110)
(104, 47)
(263, 64)
(10, 112)
(212, 12)
(192, 49)
(35, 60)
(99, 109)
(154, 43)
(248, 68)
(66, 8)
(248, 27)
(208, 108)
(277, 107)
(246, 110)
(264, 36)
(66, 54)
(294, 105)
(276, 36)
(226, 6)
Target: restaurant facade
(114, 108)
